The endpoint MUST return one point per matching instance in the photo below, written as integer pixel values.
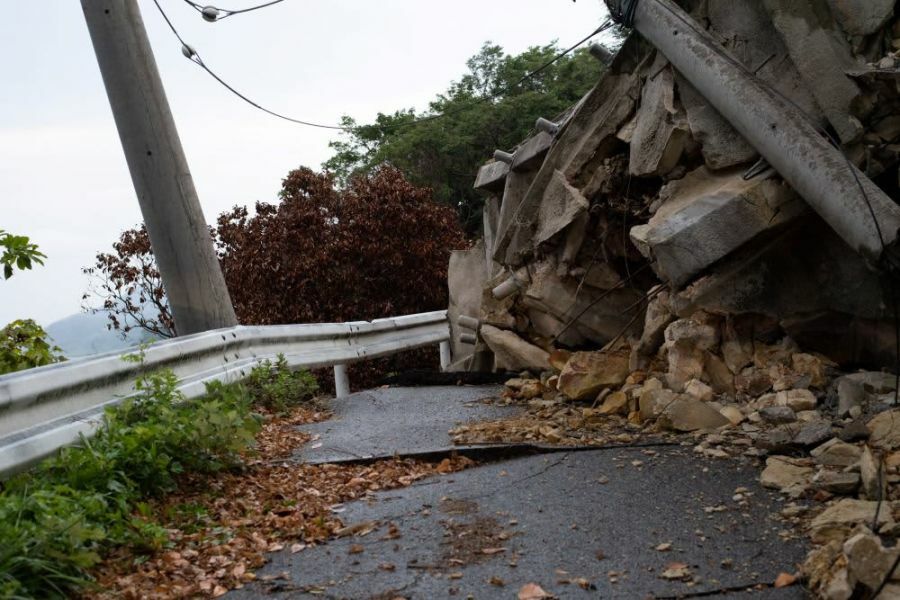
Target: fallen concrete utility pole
(775, 127)
(178, 232)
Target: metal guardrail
(44, 409)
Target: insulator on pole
(504, 157)
(547, 126)
(210, 13)
(601, 53)
(467, 338)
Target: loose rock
(785, 474)
(836, 453)
(689, 414)
(587, 373)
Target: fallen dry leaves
(532, 591)
(548, 422)
(785, 580)
(220, 527)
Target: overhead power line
(191, 53)
(214, 13)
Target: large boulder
(587, 373)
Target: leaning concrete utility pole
(179, 235)
(857, 209)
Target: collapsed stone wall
(642, 204)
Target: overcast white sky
(63, 178)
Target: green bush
(23, 345)
(56, 520)
(277, 388)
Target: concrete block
(492, 177)
(589, 135)
(822, 55)
(517, 185)
(721, 145)
(707, 216)
(466, 278)
(862, 17)
(561, 298)
(491, 221)
(530, 154)
(660, 130)
(512, 353)
(562, 205)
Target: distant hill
(84, 334)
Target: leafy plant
(23, 345)
(57, 520)
(18, 253)
(277, 388)
(128, 286)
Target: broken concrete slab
(708, 215)
(517, 186)
(602, 318)
(721, 145)
(548, 515)
(660, 126)
(862, 17)
(512, 353)
(822, 56)
(746, 30)
(466, 277)
(390, 421)
(491, 222)
(530, 154)
(589, 135)
(492, 177)
(562, 205)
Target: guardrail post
(445, 355)
(341, 381)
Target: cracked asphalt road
(554, 519)
(388, 421)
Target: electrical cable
(194, 57)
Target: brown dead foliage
(550, 422)
(220, 527)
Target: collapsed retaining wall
(643, 204)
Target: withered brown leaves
(220, 527)
(376, 248)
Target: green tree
(18, 253)
(23, 345)
(488, 108)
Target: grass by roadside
(59, 520)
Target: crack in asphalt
(717, 591)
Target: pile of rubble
(830, 440)
(705, 244)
